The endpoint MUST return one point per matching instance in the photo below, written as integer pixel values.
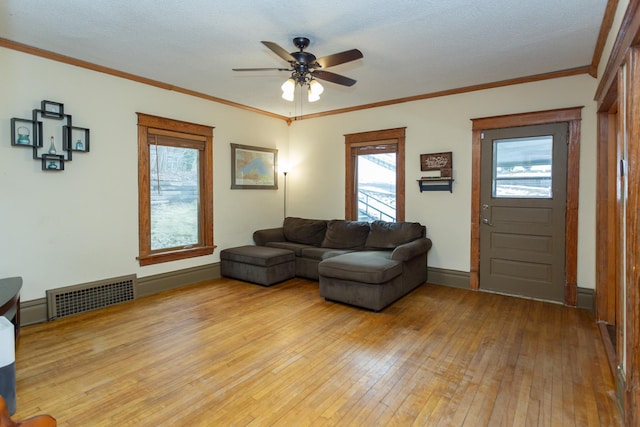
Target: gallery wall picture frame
(76, 138)
(254, 168)
(24, 133)
(51, 126)
(52, 162)
(52, 110)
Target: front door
(523, 211)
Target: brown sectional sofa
(365, 264)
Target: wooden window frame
(202, 136)
(354, 140)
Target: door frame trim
(573, 117)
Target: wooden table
(10, 301)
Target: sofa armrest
(262, 237)
(412, 249)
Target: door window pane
(376, 187)
(522, 167)
(174, 185)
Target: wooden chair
(38, 421)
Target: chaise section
(258, 264)
(369, 279)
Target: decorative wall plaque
(442, 162)
(440, 170)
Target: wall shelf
(31, 134)
(436, 184)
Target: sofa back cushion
(344, 234)
(388, 235)
(305, 231)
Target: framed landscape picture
(254, 167)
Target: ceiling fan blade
(339, 58)
(260, 69)
(279, 51)
(333, 77)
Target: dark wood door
(523, 211)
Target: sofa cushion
(344, 234)
(388, 235)
(297, 248)
(372, 267)
(319, 254)
(305, 231)
(257, 255)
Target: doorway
(572, 117)
(523, 200)
(611, 235)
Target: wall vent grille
(76, 299)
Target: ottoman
(258, 264)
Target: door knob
(486, 221)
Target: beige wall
(81, 225)
(434, 125)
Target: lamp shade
(288, 89)
(287, 96)
(313, 97)
(316, 88)
(288, 86)
(7, 342)
(8, 364)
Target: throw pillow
(305, 231)
(344, 234)
(388, 235)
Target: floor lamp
(285, 194)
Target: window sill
(175, 255)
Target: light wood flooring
(230, 353)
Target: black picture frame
(33, 129)
(261, 177)
(31, 133)
(52, 110)
(76, 139)
(52, 162)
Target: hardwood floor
(230, 353)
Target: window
(375, 176)
(175, 189)
(522, 167)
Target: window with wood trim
(175, 189)
(375, 175)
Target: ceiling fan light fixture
(304, 67)
(315, 87)
(289, 86)
(313, 97)
(288, 89)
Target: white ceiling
(410, 47)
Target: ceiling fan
(306, 68)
